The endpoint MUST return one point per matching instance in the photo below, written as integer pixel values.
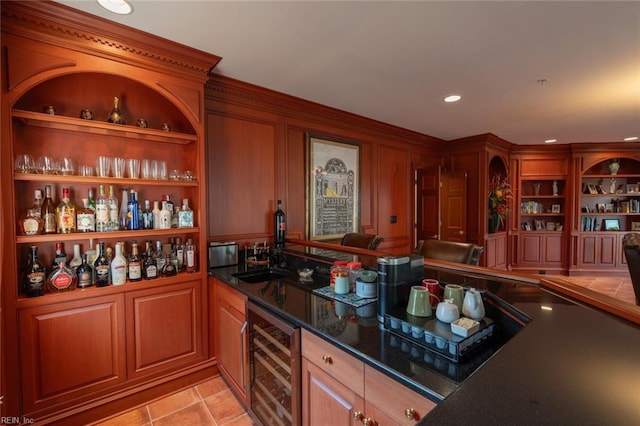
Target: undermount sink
(260, 275)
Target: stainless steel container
(222, 254)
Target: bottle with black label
(84, 273)
(149, 265)
(102, 267)
(35, 275)
(279, 226)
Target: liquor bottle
(160, 258)
(59, 256)
(91, 199)
(32, 223)
(118, 266)
(185, 215)
(178, 254)
(133, 212)
(150, 266)
(122, 218)
(279, 226)
(85, 217)
(165, 216)
(174, 217)
(114, 223)
(92, 255)
(84, 273)
(170, 204)
(115, 116)
(61, 279)
(102, 211)
(66, 214)
(35, 274)
(169, 268)
(156, 215)
(146, 219)
(190, 256)
(77, 259)
(48, 212)
(102, 267)
(135, 263)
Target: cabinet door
(70, 351)
(599, 250)
(164, 328)
(326, 401)
(231, 338)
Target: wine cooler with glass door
(274, 358)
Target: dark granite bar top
(570, 363)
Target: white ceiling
(395, 61)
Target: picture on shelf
(635, 226)
(526, 226)
(592, 188)
(608, 208)
(611, 224)
(632, 188)
(602, 189)
(555, 208)
(551, 226)
(540, 225)
(558, 226)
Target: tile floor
(209, 403)
(213, 403)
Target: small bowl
(305, 273)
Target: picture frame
(555, 208)
(551, 226)
(611, 224)
(558, 226)
(635, 226)
(592, 189)
(601, 189)
(632, 188)
(608, 208)
(332, 187)
(540, 225)
(526, 226)
(600, 207)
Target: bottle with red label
(61, 279)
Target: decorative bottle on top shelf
(84, 273)
(61, 279)
(118, 266)
(60, 256)
(102, 211)
(35, 275)
(279, 226)
(135, 263)
(76, 260)
(102, 267)
(32, 223)
(149, 266)
(86, 217)
(48, 212)
(115, 116)
(185, 215)
(66, 214)
(190, 256)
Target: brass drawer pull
(410, 413)
(327, 359)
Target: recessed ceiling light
(632, 138)
(121, 7)
(452, 98)
(551, 140)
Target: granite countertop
(570, 364)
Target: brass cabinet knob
(357, 415)
(368, 422)
(410, 413)
(327, 359)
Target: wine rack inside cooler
(275, 376)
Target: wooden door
(453, 206)
(428, 203)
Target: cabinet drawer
(393, 399)
(334, 361)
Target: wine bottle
(118, 267)
(102, 211)
(66, 214)
(35, 274)
(84, 273)
(135, 263)
(115, 116)
(279, 226)
(102, 267)
(48, 213)
(61, 279)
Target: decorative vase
(614, 166)
(494, 223)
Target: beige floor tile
(211, 387)
(173, 403)
(243, 420)
(224, 406)
(193, 415)
(137, 417)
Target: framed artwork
(540, 225)
(526, 226)
(555, 208)
(333, 188)
(592, 188)
(611, 225)
(558, 226)
(551, 226)
(608, 208)
(635, 226)
(632, 188)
